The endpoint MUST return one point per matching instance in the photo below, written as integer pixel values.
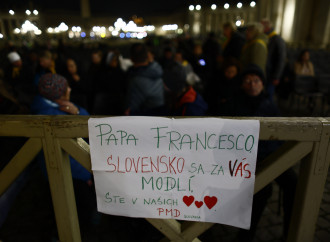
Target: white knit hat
(13, 56)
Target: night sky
(115, 7)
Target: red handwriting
(240, 169)
(172, 212)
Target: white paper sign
(200, 169)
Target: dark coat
(225, 92)
(276, 57)
(145, 88)
(20, 83)
(110, 95)
(234, 46)
(79, 90)
(260, 106)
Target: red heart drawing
(188, 200)
(198, 204)
(210, 201)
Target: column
(288, 20)
(320, 24)
(278, 16)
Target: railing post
(309, 192)
(61, 186)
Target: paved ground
(31, 217)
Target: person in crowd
(167, 56)
(182, 99)
(77, 83)
(276, 57)
(110, 93)
(211, 50)
(192, 77)
(15, 67)
(227, 87)
(198, 62)
(212, 53)
(303, 66)
(234, 42)
(9, 104)
(54, 99)
(46, 65)
(255, 49)
(32, 61)
(254, 102)
(145, 84)
(286, 84)
(96, 75)
(19, 80)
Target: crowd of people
(238, 77)
(105, 83)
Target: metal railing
(307, 141)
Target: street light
(214, 7)
(11, 12)
(28, 12)
(35, 12)
(239, 5)
(191, 7)
(253, 4)
(226, 6)
(198, 7)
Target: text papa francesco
(175, 141)
(170, 166)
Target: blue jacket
(145, 88)
(44, 106)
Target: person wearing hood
(182, 99)
(145, 94)
(255, 50)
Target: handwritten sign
(187, 169)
